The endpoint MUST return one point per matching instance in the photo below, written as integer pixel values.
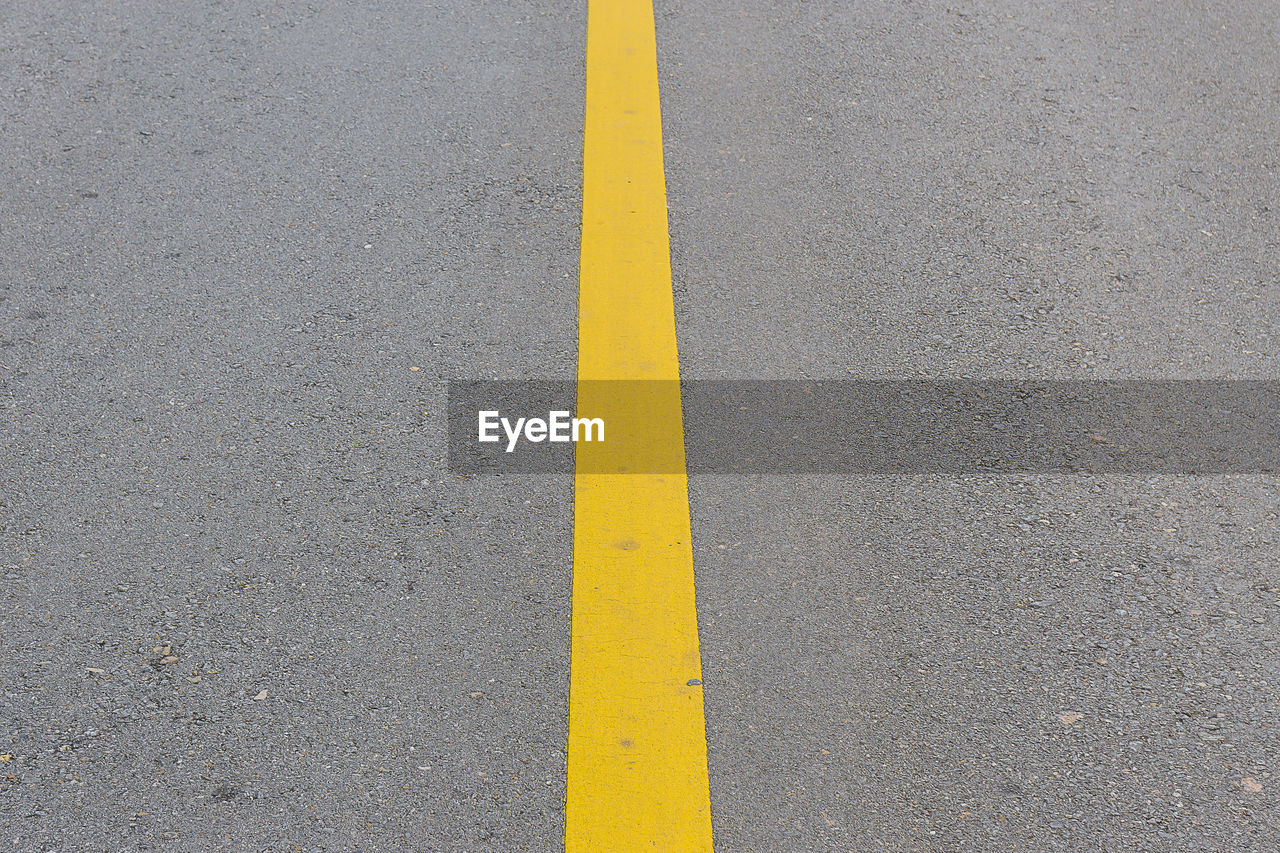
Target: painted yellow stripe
(637, 765)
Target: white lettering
(587, 424)
(559, 426)
(488, 422)
(513, 435)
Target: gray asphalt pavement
(985, 190)
(244, 246)
(246, 606)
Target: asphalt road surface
(246, 606)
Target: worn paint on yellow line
(637, 764)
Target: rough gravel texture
(1013, 190)
(244, 244)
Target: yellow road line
(637, 764)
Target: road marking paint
(637, 760)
